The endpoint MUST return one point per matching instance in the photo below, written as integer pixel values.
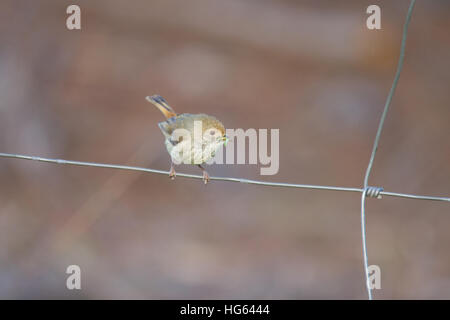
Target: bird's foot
(172, 173)
(205, 177)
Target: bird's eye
(212, 132)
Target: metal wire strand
(376, 193)
(367, 189)
(373, 192)
(363, 233)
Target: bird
(189, 138)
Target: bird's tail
(162, 105)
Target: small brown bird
(189, 138)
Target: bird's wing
(166, 129)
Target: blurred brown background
(310, 68)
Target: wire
(363, 233)
(247, 181)
(377, 140)
(391, 93)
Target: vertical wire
(363, 232)
(377, 140)
(391, 93)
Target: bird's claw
(205, 177)
(172, 173)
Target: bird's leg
(172, 172)
(205, 174)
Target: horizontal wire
(413, 196)
(247, 181)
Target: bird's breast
(189, 152)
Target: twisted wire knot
(373, 192)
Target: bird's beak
(225, 140)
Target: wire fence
(366, 191)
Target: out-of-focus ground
(310, 68)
